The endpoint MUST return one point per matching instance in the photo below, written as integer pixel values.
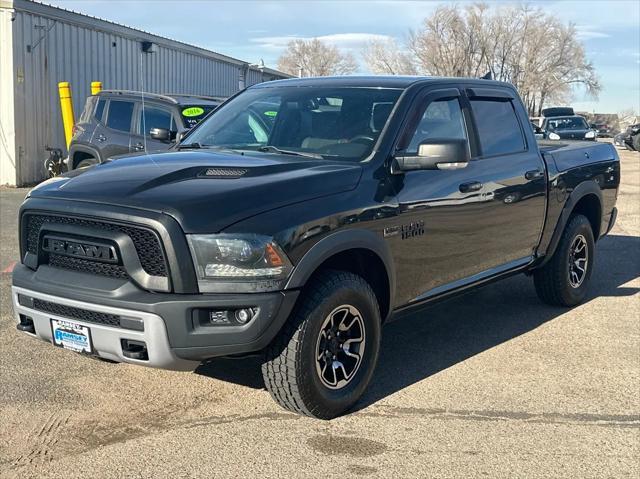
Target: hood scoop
(222, 172)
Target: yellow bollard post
(66, 106)
(96, 86)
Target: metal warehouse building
(41, 45)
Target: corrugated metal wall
(48, 49)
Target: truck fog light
(243, 316)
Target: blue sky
(254, 30)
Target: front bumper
(174, 339)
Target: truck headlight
(238, 263)
(590, 134)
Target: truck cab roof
(379, 81)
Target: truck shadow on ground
(439, 336)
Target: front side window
(119, 115)
(442, 119)
(153, 117)
(332, 123)
(498, 126)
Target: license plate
(69, 335)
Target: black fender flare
(85, 149)
(338, 242)
(583, 189)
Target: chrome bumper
(106, 340)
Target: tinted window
(154, 118)
(119, 117)
(442, 119)
(100, 109)
(498, 127)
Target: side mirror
(436, 154)
(161, 134)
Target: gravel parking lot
(491, 384)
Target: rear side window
(154, 118)
(99, 110)
(498, 127)
(119, 117)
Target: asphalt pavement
(490, 384)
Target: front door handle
(138, 146)
(534, 174)
(470, 186)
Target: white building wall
(7, 127)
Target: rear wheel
(323, 359)
(564, 280)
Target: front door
(468, 222)
(153, 116)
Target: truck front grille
(146, 242)
(76, 313)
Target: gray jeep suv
(114, 122)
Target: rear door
(113, 136)
(513, 176)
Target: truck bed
(571, 154)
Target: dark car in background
(118, 122)
(573, 127)
(631, 138)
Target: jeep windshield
(332, 123)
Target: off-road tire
(289, 367)
(552, 280)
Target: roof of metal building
(71, 16)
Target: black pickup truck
(298, 218)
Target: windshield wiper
(190, 146)
(274, 149)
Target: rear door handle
(138, 147)
(470, 186)
(533, 174)
(101, 138)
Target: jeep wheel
(323, 359)
(564, 280)
(87, 162)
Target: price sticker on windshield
(192, 111)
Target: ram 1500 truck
(298, 218)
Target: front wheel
(564, 280)
(323, 359)
(87, 162)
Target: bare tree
(315, 58)
(385, 57)
(539, 55)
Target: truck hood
(205, 191)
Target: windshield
(331, 123)
(194, 114)
(572, 123)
